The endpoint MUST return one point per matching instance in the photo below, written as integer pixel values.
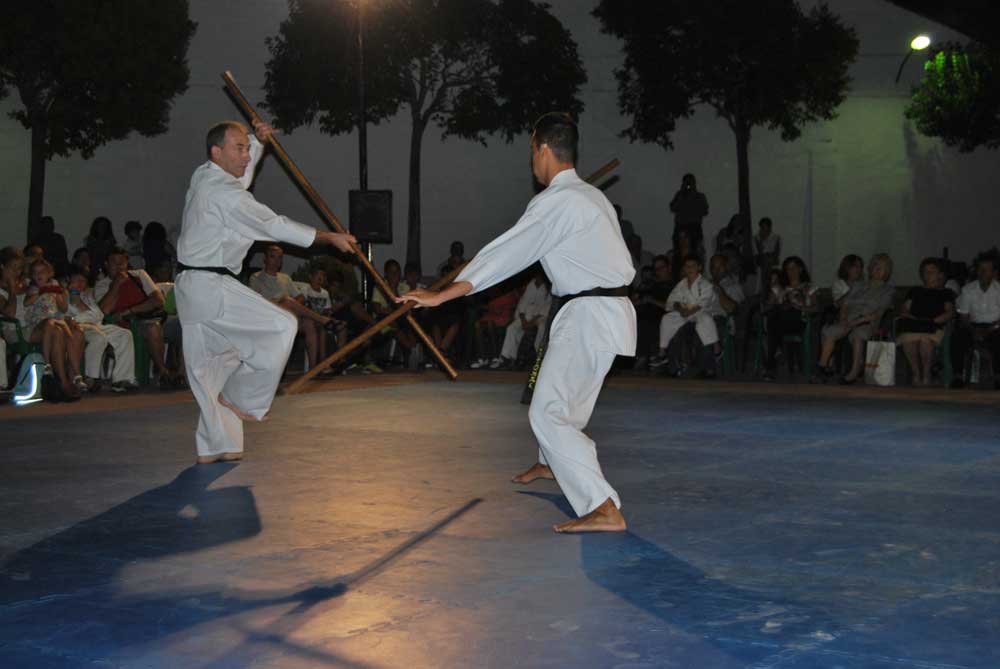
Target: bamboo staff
(400, 311)
(332, 220)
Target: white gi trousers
(514, 335)
(565, 393)
(97, 338)
(704, 325)
(235, 343)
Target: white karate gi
(235, 341)
(98, 336)
(701, 293)
(536, 301)
(571, 227)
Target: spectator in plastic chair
(979, 319)
(45, 322)
(860, 314)
(728, 293)
(922, 319)
(850, 273)
(81, 262)
(133, 244)
(787, 308)
(687, 303)
(529, 316)
(278, 287)
(98, 335)
(130, 295)
(650, 301)
(399, 331)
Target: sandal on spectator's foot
(80, 385)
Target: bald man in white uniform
(236, 343)
(572, 229)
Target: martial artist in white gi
(572, 229)
(236, 343)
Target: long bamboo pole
(400, 311)
(332, 220)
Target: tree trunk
(743, 179)
(36, 189)
(413, 217)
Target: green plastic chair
(803, 340)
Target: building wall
(863, 183)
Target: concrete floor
(376, 528)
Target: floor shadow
(63, 599)
(747, 624)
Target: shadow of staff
(62, 597)
(731, 618)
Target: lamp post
(918, 43)
(366, 286)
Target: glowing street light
(918, 43)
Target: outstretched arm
(425, 297)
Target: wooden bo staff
(400, 311)
(332, 221)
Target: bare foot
(605, 518)
(219, 457)
(239, 412)
(536, 471)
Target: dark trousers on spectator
(963, 340)
(781, 323)
(648, 326)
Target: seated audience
(850, 273)
(860, 314)
(787, 309)
(81, 262)
(44, 321)
(278, 287)
(529, 318)
(922, 319)
(456, 258)
(53, 245)
(156, 249)
(382, 307)
(130, 295)
(728, 294)
(99, 242)
(446, 320)
(650, 300)
(98, 335)
(687, 303)
(979, 323)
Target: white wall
(863, 183)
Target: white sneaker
(481, 362)
(497, 363)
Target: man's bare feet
(536, 471)
(219, 457)
(239, 412)
(605, 518)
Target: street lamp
(918, 43)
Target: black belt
(557, 304)
(224, 271)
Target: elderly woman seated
(860, 314)
(925, 314)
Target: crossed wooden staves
(403, 310)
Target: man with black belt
(236, 343)
(572, 229)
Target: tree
(958, 99)
(472, 68)
(88, 73)
(757, 64)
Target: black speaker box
(371, 215)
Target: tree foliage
(92, 72)
(958, 98)
(472, 68)
(87, 73)
(757, 64)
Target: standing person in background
(99, 242)
(690, 207)
(156, 250)
(133, 244)
(456, 258)
(53, 245)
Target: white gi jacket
(572, 229)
